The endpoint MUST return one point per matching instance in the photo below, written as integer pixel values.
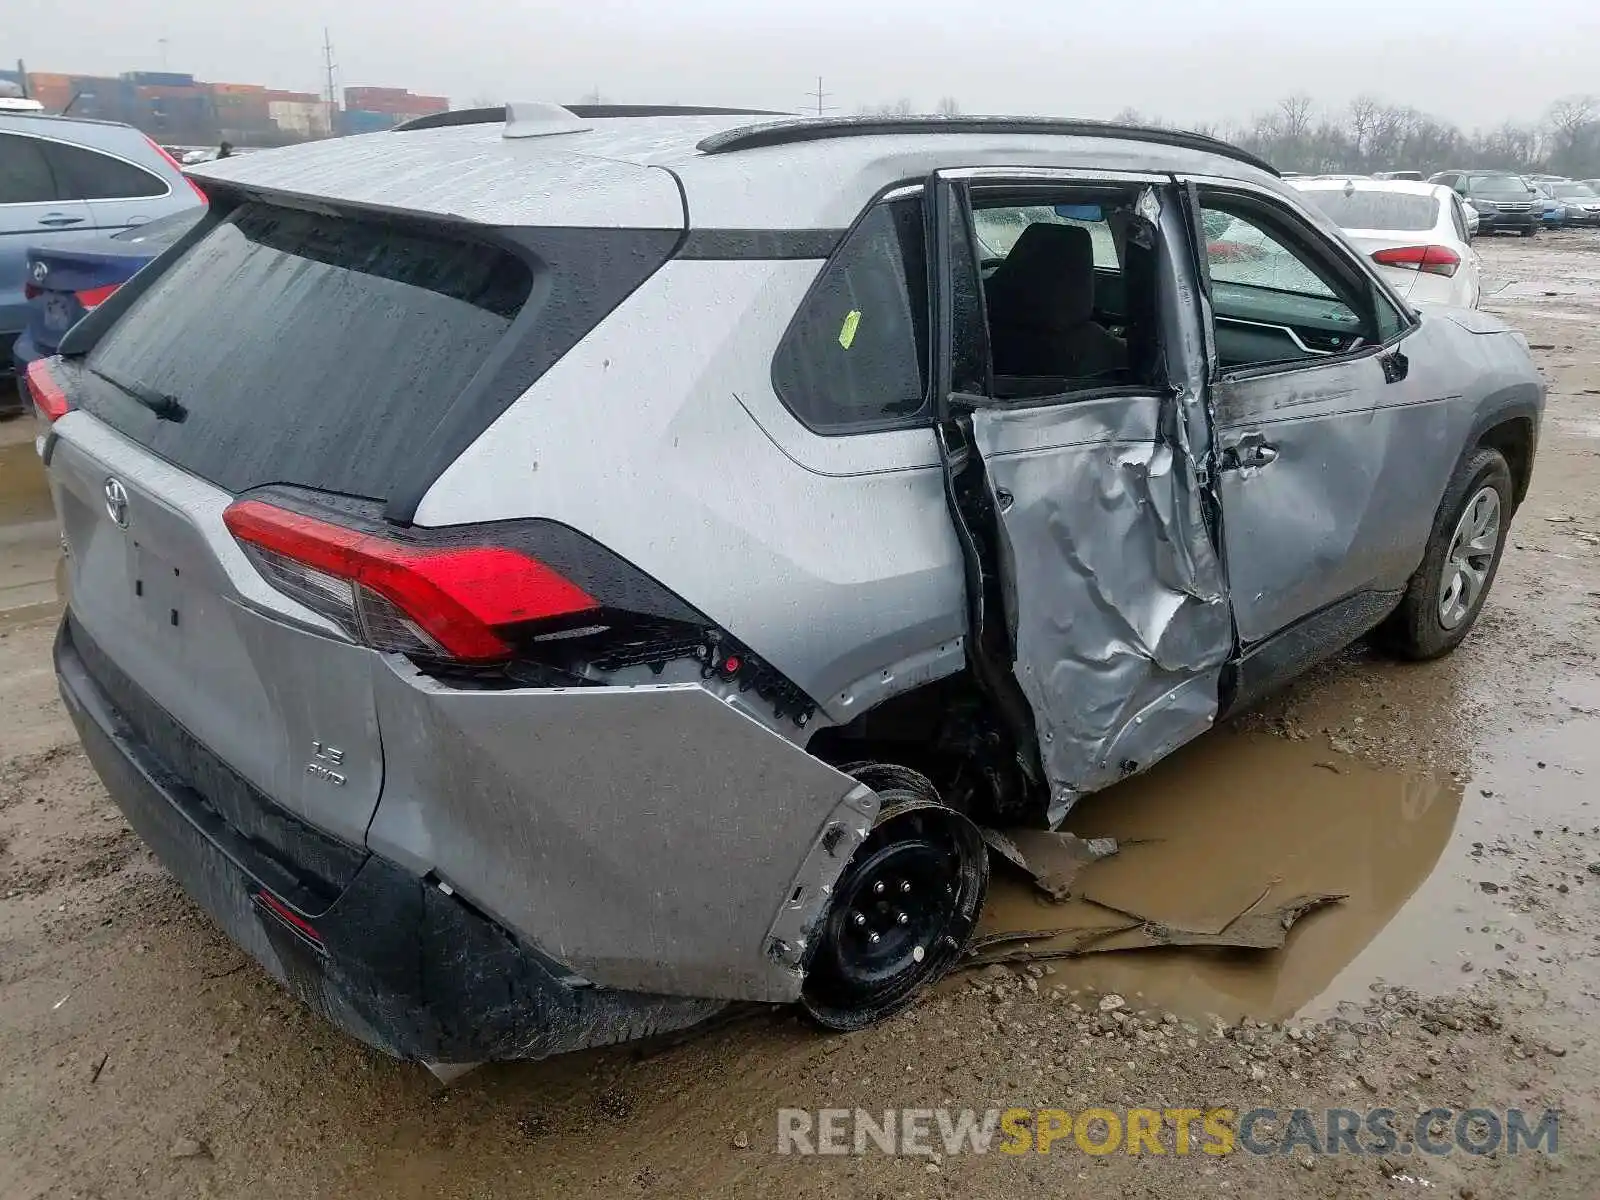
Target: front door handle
(55, 220)
(1251, 450)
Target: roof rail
(810, 129)
(584, 112)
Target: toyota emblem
(117, 502)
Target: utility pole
(162, 42)
(820, 96)
(328, 66)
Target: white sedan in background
(1417, 233)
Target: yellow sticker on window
(847, 332)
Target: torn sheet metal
(1052, 860)
(1113, 590)
(1255, 928)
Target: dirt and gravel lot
(1453, 803)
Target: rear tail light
(30, 290)
(92, 298)
(453, 602)
(49, 400)
(1435, 260)
(178, 167)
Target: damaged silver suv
(541, 576)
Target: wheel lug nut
(859, 919)
(873, 938)
(901, 918)
(877, 888)
(905, 886)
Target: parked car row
(74, 194)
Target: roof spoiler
(584, 112)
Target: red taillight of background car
(49, 400)
(92, 298)
(453, 602)
(1435, 260)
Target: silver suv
(61, 178)
(540, 578)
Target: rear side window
(89, 175)
(306, 349)
(25, 176)
(855, 357)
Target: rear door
(1097, 614)
(119, 192)
(33, 212)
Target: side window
(855, 356)
(999, 228)
(1460, 220)
(1276, 297)
(87, 175)
(25, 176)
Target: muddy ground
(1454, 803)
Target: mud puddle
(1240, 823)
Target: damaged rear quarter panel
(649, 838)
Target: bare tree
(948, 107)
(1363, 123)
(1296, 116)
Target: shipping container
(360, 120)
(159, 78)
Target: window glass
(306, 349)
(999, 228)
(1273, 295)
(1509, 187)
(1240, 251)
(1375, 209)
(855, 355)
(86, 175)
(24, 174)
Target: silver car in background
(543, 575)
(64, 177)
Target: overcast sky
(1475, 62)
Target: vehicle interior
(1069, 284)
(1069, 281)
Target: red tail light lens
(92, 298)
(439, 601)
(48, 398)
(1435, 260)
(30, 290)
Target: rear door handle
(55, 220)
(1251, 450)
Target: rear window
(306, 349)
(1377, 210)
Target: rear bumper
(393, 960)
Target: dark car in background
(72, 278)
(1505, 202)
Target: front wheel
(1447, 592)
(902, 910)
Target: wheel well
(947, 731)
(1514, 440)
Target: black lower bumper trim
(401, 965)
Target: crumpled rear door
(1086, 518)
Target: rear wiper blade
(165, 407)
